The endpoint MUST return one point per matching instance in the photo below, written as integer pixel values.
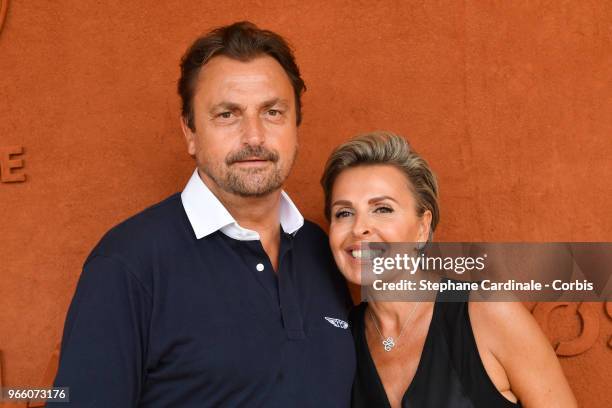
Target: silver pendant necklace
(389, 342)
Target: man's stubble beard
(249, 182)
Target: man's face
(245, 138)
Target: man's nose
(253, 131)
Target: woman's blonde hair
(384, 148)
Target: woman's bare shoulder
(509, 332)
(507, 328)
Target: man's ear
(190, 137)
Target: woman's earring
(420, 246)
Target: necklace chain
(389, 342)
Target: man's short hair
(242, 41)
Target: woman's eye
(384, 210)
(343, 214)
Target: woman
(460, 354)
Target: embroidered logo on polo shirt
(337, 322)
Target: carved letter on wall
(7, 165)
(8, 404)
(48, 376)
(3, 11)
(609, 311)
(46, 382)
(590, 326)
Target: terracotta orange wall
(511, 103)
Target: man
(221, 295)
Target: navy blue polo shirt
(161, 318)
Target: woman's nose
(361, 227)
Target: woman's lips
(368, 250)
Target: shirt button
(259, 267)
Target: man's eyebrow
(275, 101)
(232, 106)
(229, 106)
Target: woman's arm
(509, 334)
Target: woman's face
(372, 203)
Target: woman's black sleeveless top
(450, 373)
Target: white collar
(207, 215)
